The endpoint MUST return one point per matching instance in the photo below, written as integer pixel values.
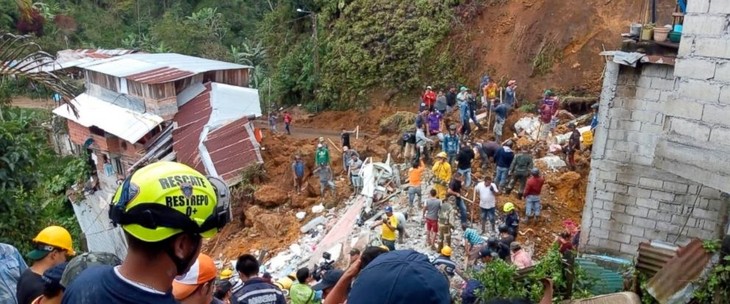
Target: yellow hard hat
(57, 237)
(284, 283)
(164, 199)
(441, 155)
(226, 274)
(446, 251)
(508, 207)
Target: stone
(694, 68)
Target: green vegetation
(548, 53)
(323, 54)
(31, 198)
(716, 288)
(500, 279)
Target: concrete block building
(660, 166)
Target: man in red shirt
(532, 194)
(429, 98)
(287, 122)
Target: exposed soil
(30, 103)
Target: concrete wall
(629, 199)
(696, 141)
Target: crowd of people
(164, 263)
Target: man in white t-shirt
(487, 200)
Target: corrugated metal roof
(229, 145)
(146, 67)
(230, 103)
(653, 256)
(673, 283)
(123, 123)
(73, 54)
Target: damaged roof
(673, 282)
(214, 135)
(158, 68)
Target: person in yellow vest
(442, 175)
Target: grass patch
(401, 121)
(548, 53)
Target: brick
(662, 84)
(644, 160)
(658, 235)
(623, 199)
(647, 94)
(682, 108)
(655, 70)
(647, 150)
(625, 146)
(715, 114)
(645, 222)
(694, 68)
(651, 183)
(725, 95)
(617, 156)
(686, 46)
(644, 116)
(708, 192)
(637, 212)
(722, 72)
(720, 135)
(719, 6)
(675, 187)
(691, 129)
(631, 249)
(644, 82)
(628, 178)
(713, 47)
(619, 135)
(704, 26)
(681, 219)
(607, 175)
(697, 6)
(660, 216)
(613, 187)
(620, 237)
(623, 218)
(633, 230)
(647, 203)
(603, 195)
(640, 137)
(618, 113)
(601, 214)
(709, 225)
(704, 214)
(639, 192)
(667, 226)
(699, 90)
(662, 196)
(601, 233)
(652, 128)
(609, 225)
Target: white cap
(319, 145)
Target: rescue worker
(253, 289)
(388, 227)
(519, 170)
(444, 263)
(301, 292)
(165, 210)
(442, 175)
(511, 219)
(51, 247)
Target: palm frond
(20, 57)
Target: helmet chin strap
(181, 265)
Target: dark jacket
(504, 157)
(258, 291)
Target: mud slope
(508, 37)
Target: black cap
(329, 280)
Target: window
(117, 163)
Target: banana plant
(20, 57)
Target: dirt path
(306, 132)
(30, 103)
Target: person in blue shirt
(165, 210)
(450, 144)
(11, 266)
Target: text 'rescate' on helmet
(164, 199)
